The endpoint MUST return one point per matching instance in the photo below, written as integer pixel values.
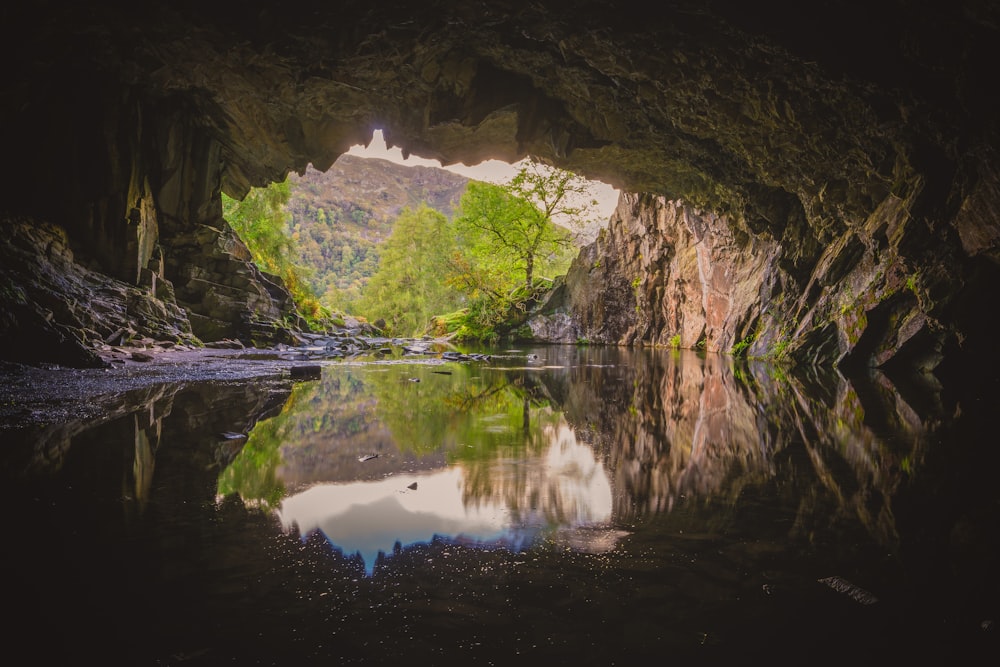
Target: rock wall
(662, 274)
(665, 274)
(859, 183)
(143, 221)
(54, 309)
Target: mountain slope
(341, 216)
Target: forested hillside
(341, 216)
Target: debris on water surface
(854, 592)
(367, 457)
(413, 486)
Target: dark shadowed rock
(785, 192)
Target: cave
(810, 184)
(821, 169)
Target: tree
(259, 219)
(261, 222)
(515, 223)
(408, 288)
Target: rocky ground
(34, 395)
(40, 394)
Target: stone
(310, 372)
(835, 203)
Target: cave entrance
(327, 234)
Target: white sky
(490, 171)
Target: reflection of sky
(569, 486)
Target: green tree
(261, 222)
(514, 224)
(408, 288)
(507, 235)
(259, 219)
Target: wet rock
(226, 344)
(52, 308)
(306, 372)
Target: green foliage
(506, 236)
(780, 348)
(471, 417)
(409, 288)
(739, 348)
(675, 341)
(260, 220)
(513, 225)
(341, 217)
(341, 256)
(452, 323)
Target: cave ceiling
(736, 107)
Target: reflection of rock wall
(688, 432)
(677, 427)
(177, 434)
(861, 440)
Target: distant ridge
(340, 217)
(381, 187)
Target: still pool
(562, 504)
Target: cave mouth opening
(338, 220)
(491, 170)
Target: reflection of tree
(253, 475)
(413, 410)
(674, 430)
(472, 417)
(289, 447)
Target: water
(577, 505)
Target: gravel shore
(32, 395)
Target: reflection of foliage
(470, 417)
(253, 474)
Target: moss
(780, 348)
(739, 349)
(523, 332)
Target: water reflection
(570, 445)
(379, 458)
(587, 505)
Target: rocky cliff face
(837, 170)
(56, 310)
(666, 274)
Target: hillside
(339, 217)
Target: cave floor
(37, 395)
